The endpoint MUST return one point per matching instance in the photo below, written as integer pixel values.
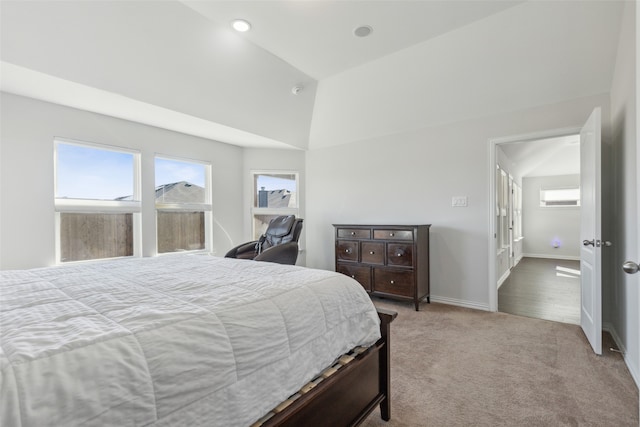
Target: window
(517, 211)
(560, 197)
(183, 204)
(498, 208)
(502, 209)
(274, 193)
(97, 201)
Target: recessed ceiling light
(363, 31)
(241, 25)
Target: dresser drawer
(383, 234)
(393, 282)
(372, 253)
(399, 254)
(390, 260)
(347, 250)
(361, 274)
(354, 233)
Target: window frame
(255, 210)
(206, 207)
(504, 210)
(562, 206)
(94, 206)
(517, 214)
(498, 205)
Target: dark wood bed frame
(347, 397)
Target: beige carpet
(453, 366)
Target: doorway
(543, 288)
(537, 226)
(590, 236)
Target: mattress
(174, 340)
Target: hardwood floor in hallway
(544, 289)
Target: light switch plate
(459, 201)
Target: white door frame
(510, 220)
(492, 144)
(638, 157)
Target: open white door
(638, 183)
(590, 232)
(510, 219)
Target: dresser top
(381, 225)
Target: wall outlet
(459, 201)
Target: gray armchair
(278, 244)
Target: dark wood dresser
(387, 260)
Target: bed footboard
(386, 317)
(346, 393)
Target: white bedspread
(177, 340)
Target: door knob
(588, 242)
(630, 267)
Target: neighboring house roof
(279, 198)
(176, 192)
(180, 192)
(186, 192)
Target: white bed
(172, 340)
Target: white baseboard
(503, 278)
(565, 257)
(606, 326)
(459, 303)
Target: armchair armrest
(286, 253)
(245, 250)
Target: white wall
(541, 226)
(509, 61)
(623, 307)
(410, 177)
(26, 175)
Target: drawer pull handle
(371, 252)
(392, 282)
(353, 233)
(399, 252)
(391, 234)
(348, 251)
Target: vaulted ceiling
(317, 37)
(178, 65)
